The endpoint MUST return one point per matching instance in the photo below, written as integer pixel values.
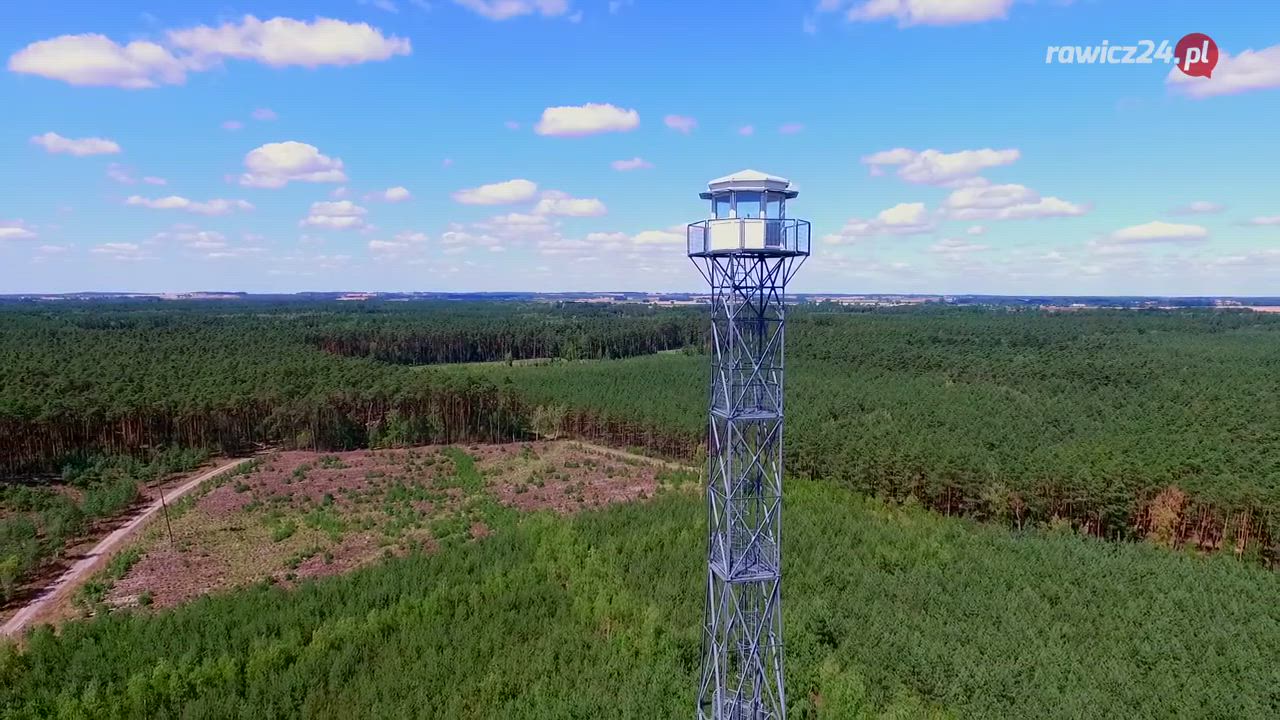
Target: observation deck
(748, 217)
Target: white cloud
(120, 251)
(392, 195)
(976, 230)
(264, 114)
(232, 125)
(635, 163)
(275, 165)
(670, 236)
(746, 130)
(501, 193)
(339, 215)
(949, 246)
(1199, 207)
(934, 167)
(411, 237)
(791, 128)
(55, 143)
(1250, 70)
(983, 201)
(554, 202)
(387, 247)
(281, 42)
(120, 174)
(901, 219)
(1159, 232)
(52, 249)
(925, 12)
(125, 176)
(233, 253)
(384, 5)
(588, 119)
(507, 9)
(217, 206)
(15, 230)
(193, 238)
(93, 59)
(97, 60)
(680, 123)
(1264, 220)
(512, 125)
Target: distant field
(890, 612)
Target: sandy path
(624, 455)
(80, 571)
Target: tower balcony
(773, 237)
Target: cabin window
(722, 208)
(747, 204)
(773, 205)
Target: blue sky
(483, 144)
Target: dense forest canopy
(890, 612)
(1159, 424)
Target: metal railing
(782, 236)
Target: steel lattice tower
(747, 252)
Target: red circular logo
(1196, 55)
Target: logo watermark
(1195, 54)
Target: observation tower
(747, 251)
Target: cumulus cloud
(232, 125)
(392, 195)
(507, 9)
(339, 215)
(1159, 232)
(1250, 70)
(791, 128)
(951, 246)
(1263, 220)
(16, 230)
(1199, 207)
(901, 219)
(55, 143)
(217, 206)
(635, 163)
(554, 202)
(680, 123)
(984, 201)
(264, 114)
(120, 251)
(281, 42)
(385, 248)
(923, 12)
(588, 119)
(746, 130)
(125, 176)
(934, 167)
(93, 59)
(670, 236)
(501, 193)
(275, 165)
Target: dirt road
(81, 570)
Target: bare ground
(302, 514)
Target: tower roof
(748, 180)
